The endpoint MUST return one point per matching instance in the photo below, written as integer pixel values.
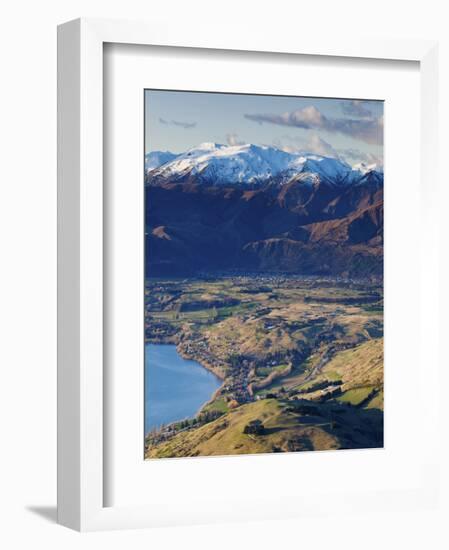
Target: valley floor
(301, 359)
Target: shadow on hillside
(357, 428)
(354, 427)
(274, 430)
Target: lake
(175, 388)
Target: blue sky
(350, 129)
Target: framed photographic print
(235, 336)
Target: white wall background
(28, 267)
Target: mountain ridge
(315, 217)
(248, 165)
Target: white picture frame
(81, 476)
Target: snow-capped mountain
(222, 164)
(157, 158)
(364, 167)
(217, 164)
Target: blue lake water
(175, 388)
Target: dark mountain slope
(298, 227)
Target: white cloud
(182, 124)
(233, 139)
(355, 156)
(317, 145)
(368, 129)
(314, 144)
(356, 107)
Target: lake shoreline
(219, 377)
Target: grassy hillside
(361, 372)
(297, 425)
(361, 366)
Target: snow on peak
(332, 168)
(209, 146)
(250, 164)
(364, 167)
(157, 158)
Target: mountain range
(247, 165)
(256, 208)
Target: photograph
(263, 294)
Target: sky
(350, 129)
